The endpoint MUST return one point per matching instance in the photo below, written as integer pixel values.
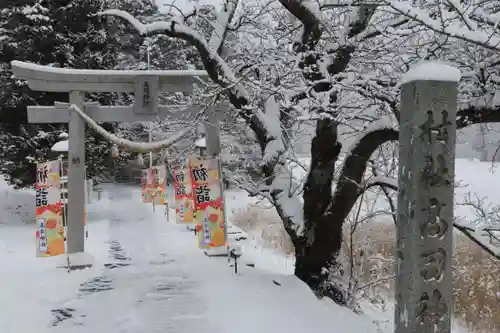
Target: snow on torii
(61, 146)
(44, 78)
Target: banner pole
(65, 210)
(153, 201)
(223, 196)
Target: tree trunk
(316, 259)
(316, 251)
(483, 149)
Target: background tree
(59, 33)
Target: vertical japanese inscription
(179, 177)
(207, 235)
(202, 192)
(434, 177)
(181, 187)
(41, 174)
(180, 190)
(42, 235)
(146, 95)
(41, 189)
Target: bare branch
(472, 234)
(348, 189)
(477, 115)
(384, 182)
(392, 205)
(218, 70)
(178, 10)
(480, 38)
(222, 24)
(377, 281)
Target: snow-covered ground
(16, 207)
(149, 275)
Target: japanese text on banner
(49, 219)
(157, 188)
(153, 184)
(184, 207)
(145, 197)
(208, 201)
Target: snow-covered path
(149, 276)
(142, 287)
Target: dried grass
(266, 224)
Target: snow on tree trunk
(316, 252)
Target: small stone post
(425, 200)
(212, 135)
(90, 184)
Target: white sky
(187, 4)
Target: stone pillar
(425, 200)
(76, 177)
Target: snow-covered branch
(478, 115)
(487, 215)
(478, 37)
(286, 201)
(222, 24)
(305, 13)
(480, 15)
(463, 13)
(474, 234)
(218, 70)
(346, 3)
(275, 147)
(347, 190)
(477, 237)
(138, 147)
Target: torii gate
(145, 84)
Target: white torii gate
(145, 84)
